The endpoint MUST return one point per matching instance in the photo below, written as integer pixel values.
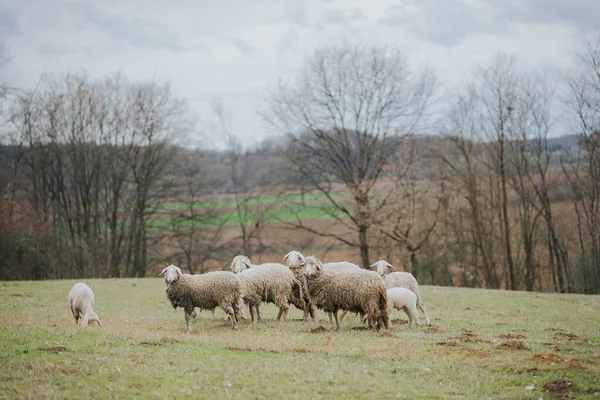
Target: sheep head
(171, 273)
(294, 259)
(240, 263)
(311, 265)
(89, 320)
(382, 267)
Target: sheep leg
(313, 313)
(330, 319)
(413, 317)
(188, 319)
(279, 314)
(242, 308)
(337, 322)
(253, 312)
(421, 306)
(343, 315)
(231, 312)
(258, 312)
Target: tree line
(483, 199)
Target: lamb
(400, 279)
(403, 299)
(81, 303)
(271, 283)
(205, 291)
(360, 291)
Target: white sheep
(400, 279)
(81, 303)
(294, 259)
(206, 291)
(403, 299)
(270, 282)
(360, 291)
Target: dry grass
(142, 351)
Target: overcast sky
(235, 49)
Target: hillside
(484, 344)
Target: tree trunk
(364, 246)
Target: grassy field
(484, 344)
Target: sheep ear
(373, 265)
(286, 256)
(390, 266)
(163, 272)
(178, 270)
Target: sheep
(295, 258)
(400, 279)
(403, 299)
(360, 291)
(205, 291)
(271, 282)
(81, 303)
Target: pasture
(484, 344)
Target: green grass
(283, 214)
(141, 351)
(253, 201)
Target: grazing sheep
(271, 283)
(205, 291)
(295, 258)
(360, 291)
(400, 279)
(403, 299)
(81, 303)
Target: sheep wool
(400, 279)
(404, 299)
(300, 297)
(206, 291)
(271, 283)
(361, 291)
(81, 303)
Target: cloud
(336, 16)
(297, 12)
(9, 25)
(289, 42)
(243, 46)
(443, 21)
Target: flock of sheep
(305, 282)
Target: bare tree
(583, 168)
(345, 114)
(197, 228)
(415, 210)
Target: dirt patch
(512, 336)
(238, 349)
(574, 365)
(501, 323)
(169, 340)
(557, 385)
(53, 350)
(151, 344)
(477, 353)
(387, 334)
(302, 350)
(552, 330)
(399, 321)
(570, 337)
(532, 370)
(433, 329)
(319, 329)
(513, 345)
(469, 336)
(267, 351)
(548, 358)
(450, 344)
